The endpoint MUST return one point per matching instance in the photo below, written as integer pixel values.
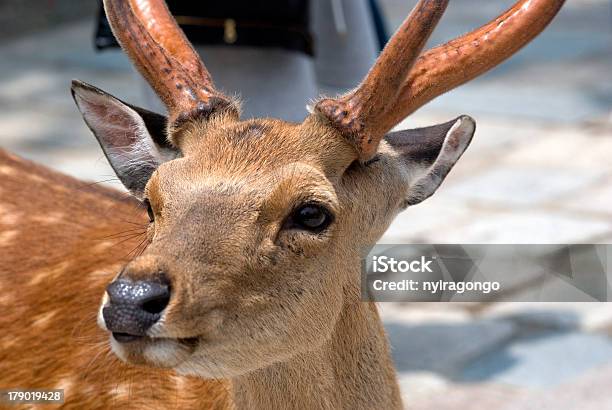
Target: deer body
(92, 377)
(241, 288)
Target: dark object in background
(259, 23)
(379, 23)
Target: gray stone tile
(596, 200)
(523, 227)
(561, 316)
(413, 224)
(541, 361)
(572, 149)
(513, 185)
(484, 396)
(444, 347)
(590, 391)
(417, 385)
(521, 99)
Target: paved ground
(538, 171)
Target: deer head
(257, 226)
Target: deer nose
(134, 306)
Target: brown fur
(77, 236)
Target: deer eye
(149, 210)
(310, 217)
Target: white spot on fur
(36, 178)
(8, 216)
(6, 298)
(7, 237)
(121, 390)
(50, 273)
(44, 319)
(179, 382)
(106, 272)
(6, 170)
(67, 383)
(49, 218)
(102, 246)
(8, 343)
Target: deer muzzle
(133, 307)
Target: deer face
(256, 227)
(249, 260)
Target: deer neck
(353, 369)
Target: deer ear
(433, 151)
(133, 139)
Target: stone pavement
(539, 171)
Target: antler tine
(458, 61)
(150, 36)
(358, 114)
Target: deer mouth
(121, 337)
(152, 351)
(125, 337)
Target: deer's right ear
(133, 139)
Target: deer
(229, 276)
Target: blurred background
(539, 171)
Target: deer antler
(448, 66)
(365, 115)
(150, 36)
(358, 113)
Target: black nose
(134, 307)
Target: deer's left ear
(432, 150)
(133, 139)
